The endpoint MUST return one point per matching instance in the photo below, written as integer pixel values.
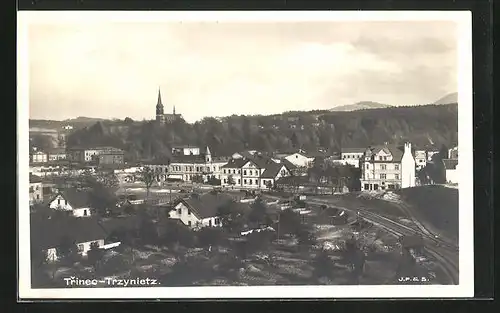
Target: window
(367, 187)
(244, 172)
(210, 223)
(396, 176)
(58, 201)
(396, 167)
(244, 181)
(385, 158)
(84, 212)
(256, 182)
(249, 181)
(239, 171)
(382, 176)
(38, 197)
(239, 181)
(217, 221)
(225, 181)
(80, 247)
(179, 211)
(224, 171)
(189, 223)
(367, 166)
(189, 212)
(380, 158)
(383, 166)
(296, 156)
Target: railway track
(443, 251)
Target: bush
(209, 236)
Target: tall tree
(148, 177)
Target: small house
(76, 201)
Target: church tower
(160, 116)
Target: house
(420, 159)
(48, 234)
(300, 159)
(38, 157)
(186, 150)
(91, 154)
(254, 172)
(451, 170)
(36, 189)
(388, 167)
(199, 211)
(76, 201)
(67, 127)
(113, 157)
(187, 167)
(453, 153)
(56, 154)
(352, 156)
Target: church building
(161, 117)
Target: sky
(114, 70)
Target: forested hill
(422, 125)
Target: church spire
(159, 98)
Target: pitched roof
(271, 170)
(396, 151)
(34, 179)
(352, 150)
(235, 163)
(450, 164)
(48, 233)
(288, 164)
(207, 205)
(77, 198)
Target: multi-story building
(352, 156)
(420, 159)
(388, 167)
(57, 154)
(188, 163)
(115, 157)
(91, 154)
(254, 172)
(36, 189)
(453, 153)
(38, 157)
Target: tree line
(421, 125)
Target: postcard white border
(465, 125)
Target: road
(444, 251)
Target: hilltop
(449, 98)
(363, 105)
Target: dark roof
(235, 163)
(288, 164)
(207, 205)
(396, 151)
(188, 159)
(271, 170)
(77, 198)
(56, 151)
(34, 179)
(450, 164)
(48, 233)
(352, 150)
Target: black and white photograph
(245, 154)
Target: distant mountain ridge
(449, 98)
(363, 105)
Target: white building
(420, 159)
(388, 167)
(352, 156)
(38, 157)
(76, 202)
(300, 159)
(453, 153)
(36, 189)
(186, 150)
(257, 172)
(90, 154)
(451, 171)
(199, 211)
(186, 167)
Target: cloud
(217, 69)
